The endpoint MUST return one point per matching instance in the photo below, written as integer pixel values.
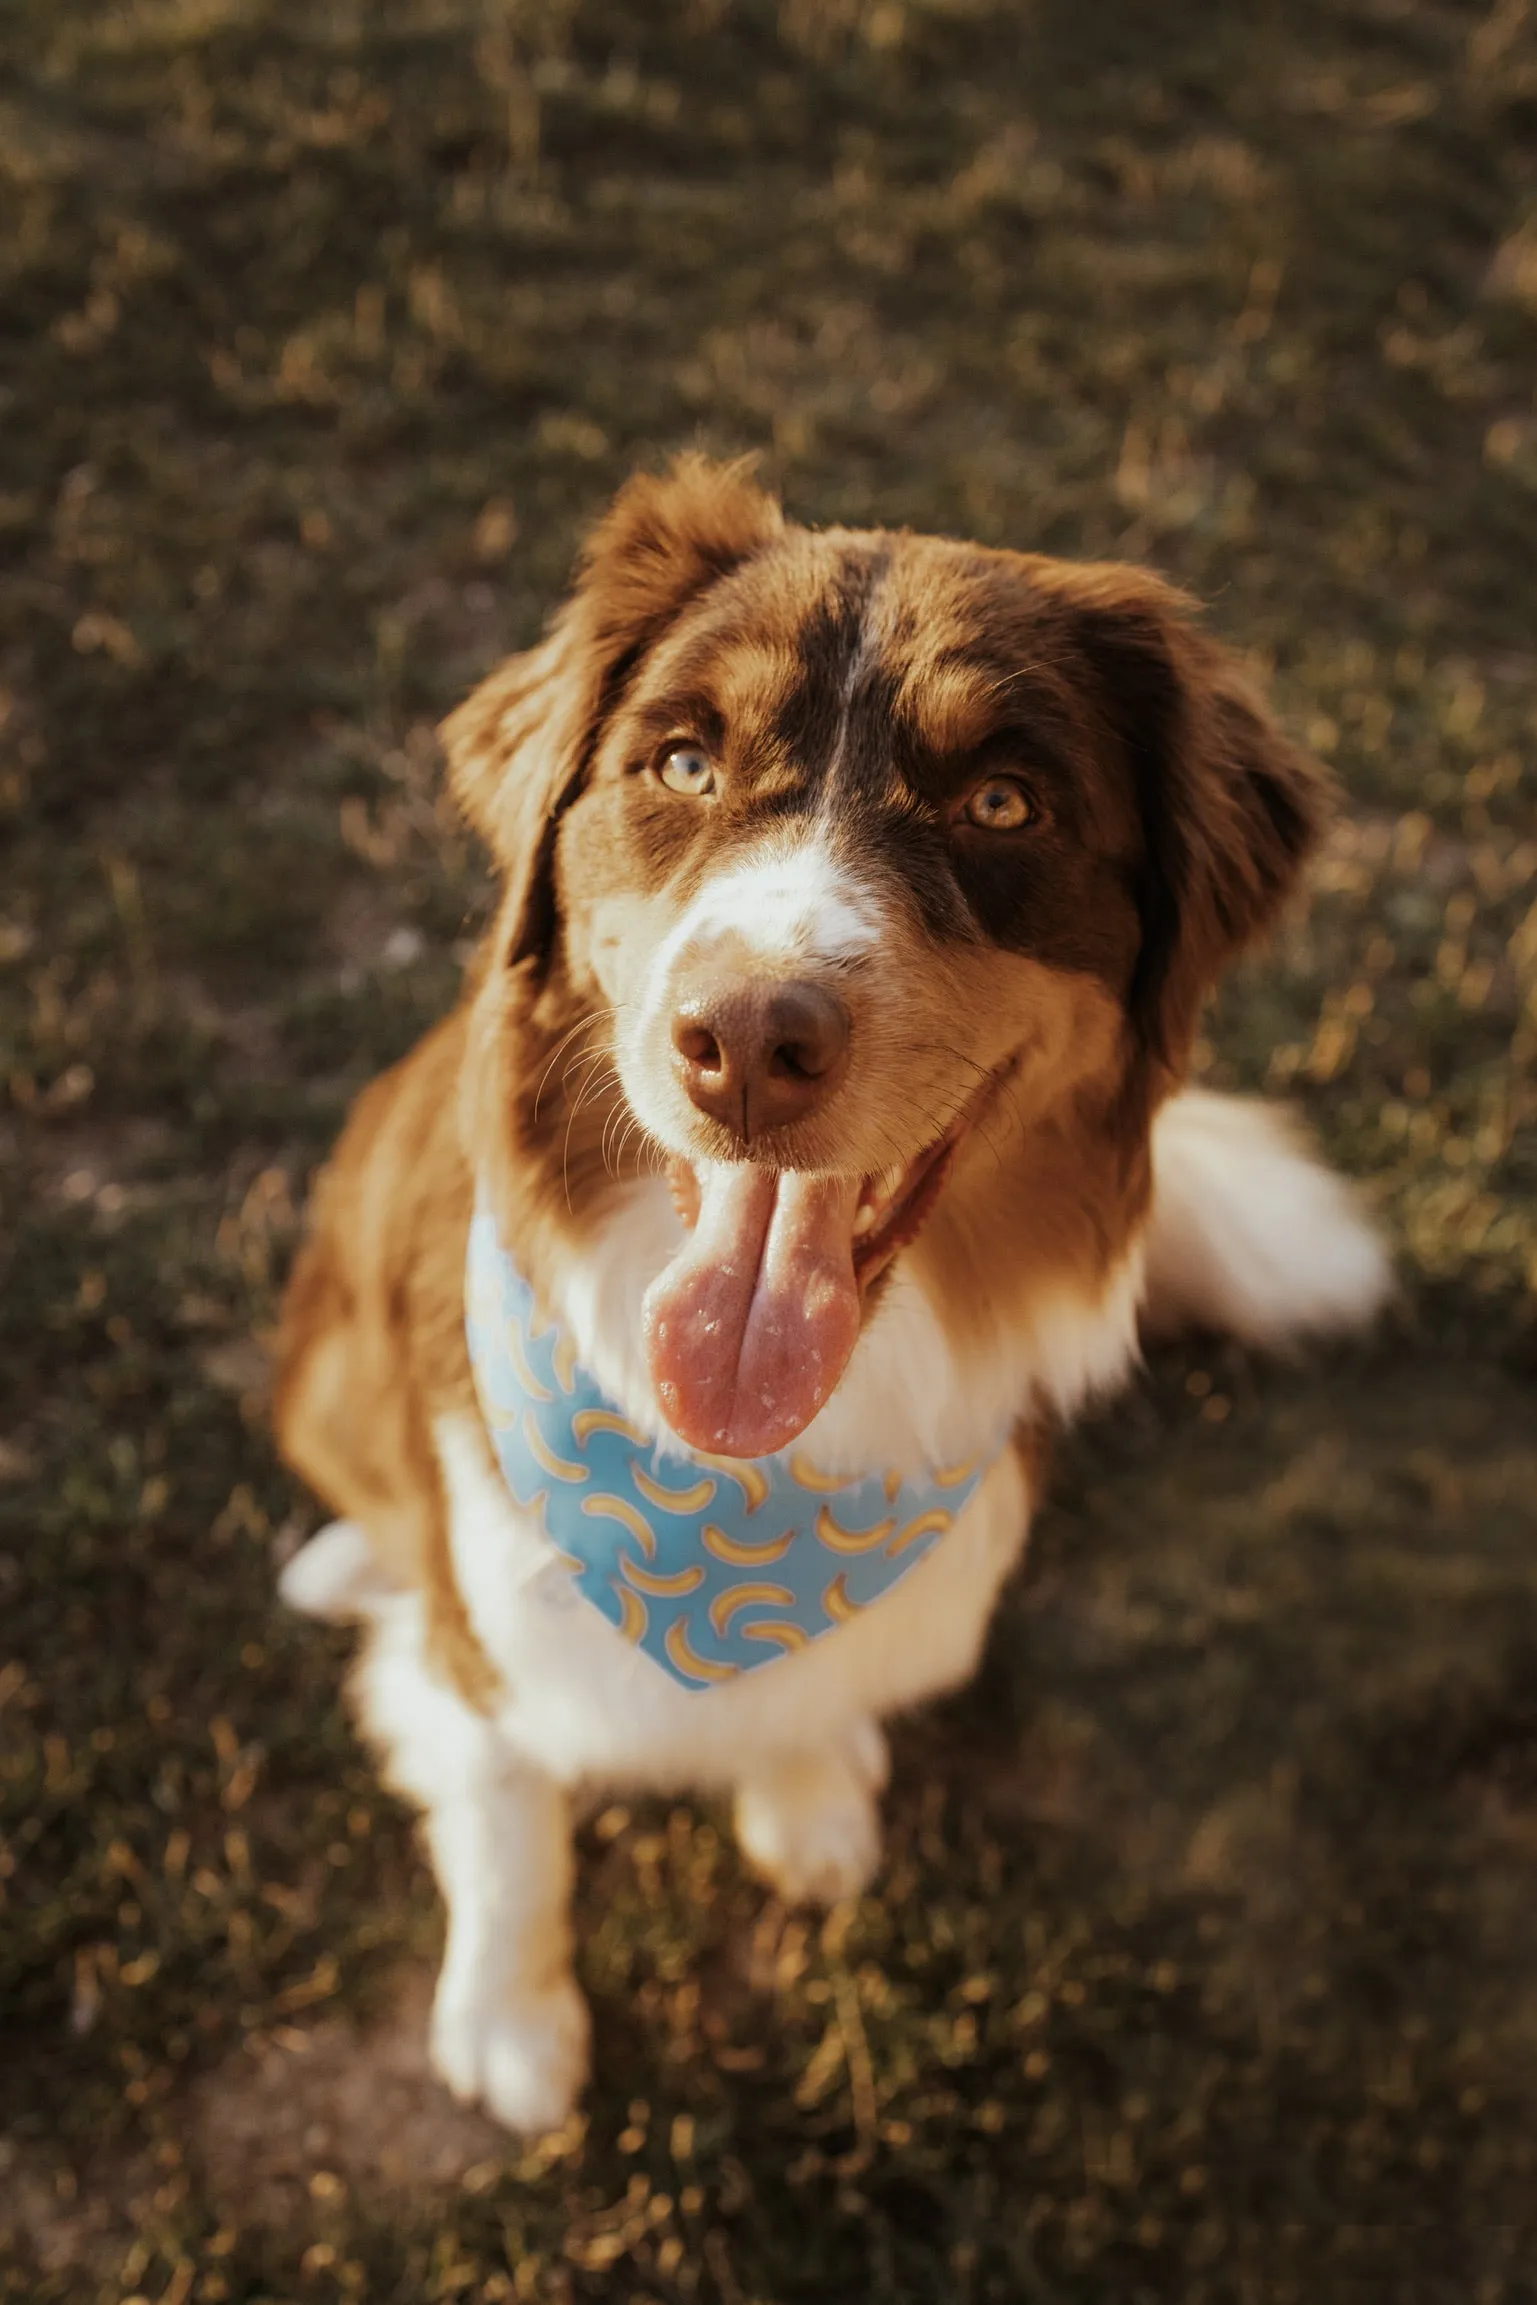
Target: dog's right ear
(1230, 810)
(519, 748)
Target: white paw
(870, 1755)
(335, 1575)
(525, 2063)
(812, 1827)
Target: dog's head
(852, 847)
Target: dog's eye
(999, 805)
(687, 770)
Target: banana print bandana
(712, 1566)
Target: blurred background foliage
(1204, 1964)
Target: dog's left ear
(519, 748)
(1230, 809)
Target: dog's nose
(758, 1056)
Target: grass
(1204, 1967)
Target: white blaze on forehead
(786, 904)
(787, 909)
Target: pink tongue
(752, 1324)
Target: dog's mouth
(750, 1328)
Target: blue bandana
(710, 1565)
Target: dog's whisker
(595, 1062)
(615, 1129)
(627, 1137)
(1007, 1090)
(583, 1024)
(614, 1118)
(592, 1087)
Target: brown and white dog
(824, 1071)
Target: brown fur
(1172, 819)
(520, 746)
(372, 1343)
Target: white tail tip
(1250, 1234)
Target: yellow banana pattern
(750, 1478)
(952, 1476)
(837, 1600)
(668, 1587)
(632, 1614)
(740, 1553)
(563, 1361)
(686, 1660)
(517, 1354)
(806, 1476)
(558, 1468)
(603, 1507)
(698, 1497)
(727, 1605)
(838, 1539)
(586, 1422)
(784, 1634)
(670, 1546)
(933, 1523)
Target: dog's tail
(1250, 1233)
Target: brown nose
(758, 1056)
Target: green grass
(1204, 1966)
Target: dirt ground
(1204, 1967)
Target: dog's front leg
(509, 2025)
(810, 1821)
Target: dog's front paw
(525, 2063)
(811, 1826)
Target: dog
(681, 1327)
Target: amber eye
(687, 770)
(999, 805)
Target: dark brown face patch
(866, 685)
